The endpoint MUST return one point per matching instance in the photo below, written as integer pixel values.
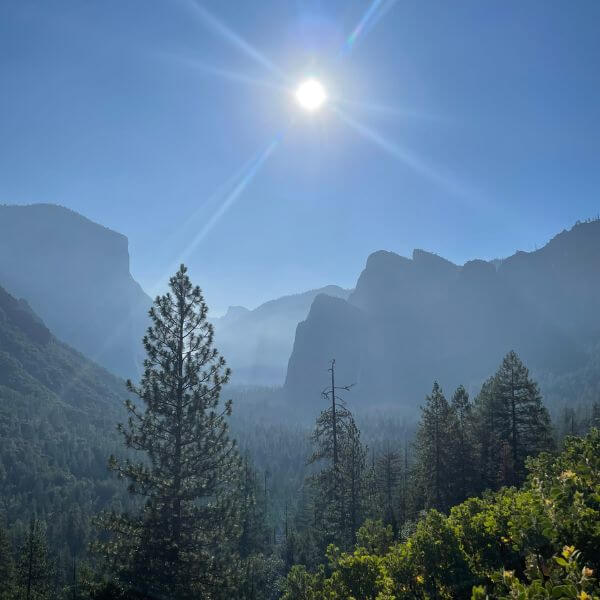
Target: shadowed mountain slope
(424, 318)
(58, 416)
(75, 274)
(257, 343)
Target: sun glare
(311, 94)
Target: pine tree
(353, 463)
(254, 533)
(338, 487)
(433, 451)
(34, 569)
(181, 544)
(463, 451)
(7, 567)
(488, 445)
(388, 480)
(593, 417)
(522, 420)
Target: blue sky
(467, 128)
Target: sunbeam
(235, 40)
(372, 16)
(230, 75)
(393, 111)
(230, 192)
(411, 160)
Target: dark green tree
(522, 420)
(486, 436)
(7, 567)
(434, 460)
(181, 545)
(338, 486)
(463, 447)
(34, 568)
(254, 533)
(353, 467)
(388, 481)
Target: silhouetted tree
(338, 487)
(388, 481)
(181, 544)
(7, 567)
(34, 569)
(522, 420)
(434, 451)
(463, 447)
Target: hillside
(58, 415)
(413, 320)
(75, 274)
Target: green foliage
(430, 563)
(513, 424)
(34, 569)
(57, 426)
(562, 578)
(183, 541)
(7, 567)
(568, 490)
(375, 537)
(514, 543)
(434, 458)
(337, 488)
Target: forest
(483, 497)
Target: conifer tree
(353, 463)
(338, 487)
(181, 544)
(594, 420)
(522, 419)
(254, 534)
(433, 451)
(7, 567)
(486, 438)
(463, 451)
(388, 481)
(34, 569)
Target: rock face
(424, 318)
(257, 343)
(75, 275)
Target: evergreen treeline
(429, 513)
(538, 541)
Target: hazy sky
(467, 128)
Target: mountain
(413, 320)
(58, 416)
(75, 274)
(257, 343)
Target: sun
(311, 95)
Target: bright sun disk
(311, 94)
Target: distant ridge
(75, 275)
(410, 321)
(257, 343)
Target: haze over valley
(299, 300)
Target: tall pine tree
(522, 419)
(7, 567)
(463, 450)
(511, 423)
(35, 571)
(338, 488)
(434, 451)
(388, 483)
(181, 544)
